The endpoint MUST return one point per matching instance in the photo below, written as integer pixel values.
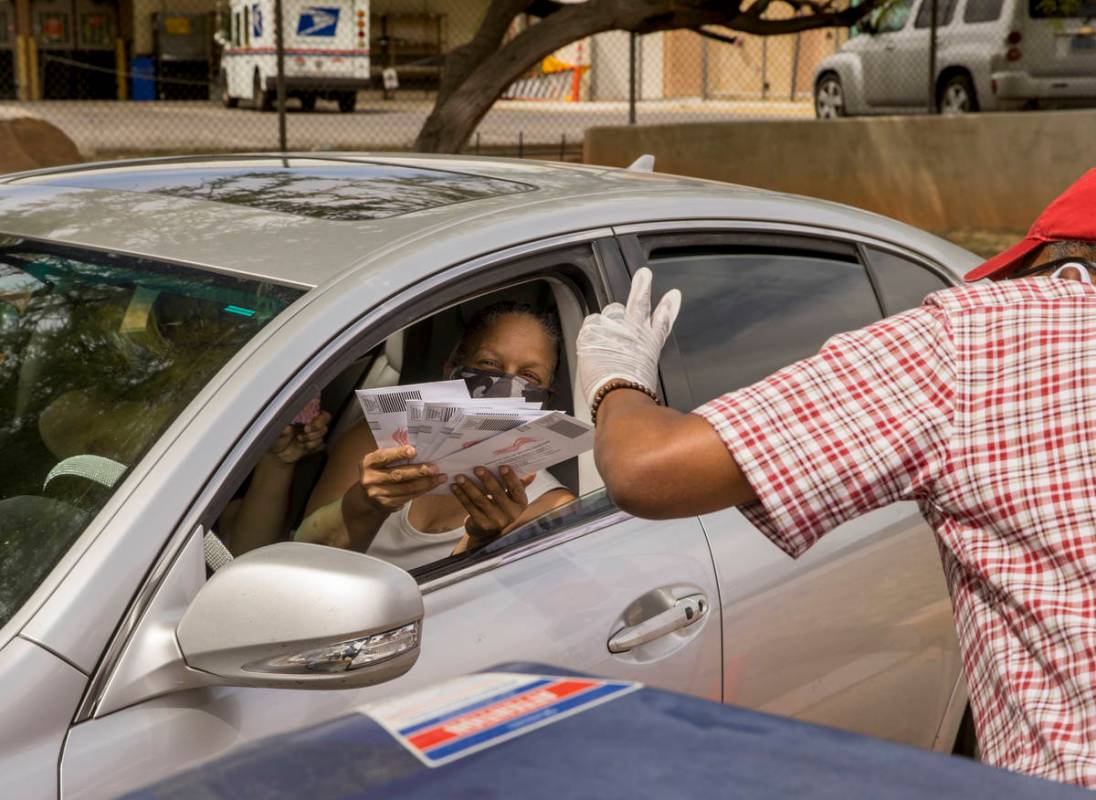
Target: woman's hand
(384, 488)
(493, 510)
(294, 443)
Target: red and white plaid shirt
(981, 406)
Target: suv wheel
(829, 98)
(957, 96)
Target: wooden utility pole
(23, 35)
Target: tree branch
(477, 73)
(462, 60)
(719, 37)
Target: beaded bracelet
(617, 383)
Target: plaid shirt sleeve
(862, 424)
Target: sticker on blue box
(471, 713)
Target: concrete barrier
(991, 172)
(27, 142)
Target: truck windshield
(99, 352)
(1062, 8)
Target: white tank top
(401, 543)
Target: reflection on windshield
(340, 192)
(98, 353)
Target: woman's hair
(484, 319)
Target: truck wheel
(226, 99)
(262, 99)
(348, 101)
(308, 101)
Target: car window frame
(448, 286)
(637, 246)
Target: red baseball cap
(1070, 216)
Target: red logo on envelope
(518, 443)
(401, 437)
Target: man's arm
(659, 463)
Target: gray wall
(991, 172)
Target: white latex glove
(625, 342)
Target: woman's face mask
(485, 383)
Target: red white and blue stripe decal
(474, 712)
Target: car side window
(891, 17)
(747, 312)
(456, 330)
(982, 10)
(902, 283)
(945, 10)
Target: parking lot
(104, 128)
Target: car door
(857, 633)
(909, 59)
(557, 591)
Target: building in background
(90, 49)
(65, 49)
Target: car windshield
(99, 352)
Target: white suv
(991, 55)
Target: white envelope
(439, 420)
(475, 426)
(527, 449)
(386, 409)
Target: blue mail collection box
(142, 79)
(532, 732)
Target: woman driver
(365, 504)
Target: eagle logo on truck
(318, 21)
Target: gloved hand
(625, 342)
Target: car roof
(179, 209)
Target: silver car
(160, 323)
(992, 55)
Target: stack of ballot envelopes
(449, 428)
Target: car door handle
(685, 612)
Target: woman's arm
(341, 471)
(356, 493)
(259, 518)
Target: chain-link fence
(124, 77)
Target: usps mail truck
(326, 52)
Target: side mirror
(304, 616)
